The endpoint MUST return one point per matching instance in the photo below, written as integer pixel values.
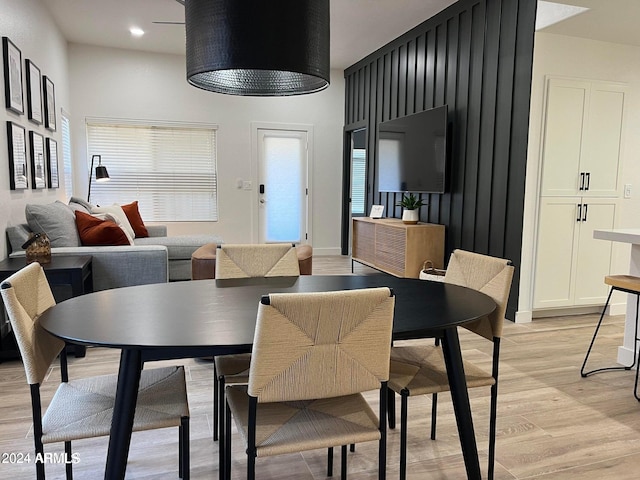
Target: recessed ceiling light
(136, 32)
(550, 13)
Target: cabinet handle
(581, 180)
(584, 217)
(579, 213)
(588, 181)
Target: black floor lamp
(101, 173)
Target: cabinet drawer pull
(584, 217)
(579, 213)
(586, 187)
(581, 180)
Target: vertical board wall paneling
(476, 57)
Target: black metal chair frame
(635, 343)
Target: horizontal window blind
(66, 156)
(358, 180)
(169, 169)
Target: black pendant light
(258, 47)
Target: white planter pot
(410, 217)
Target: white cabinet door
(582, 138)
(557, 249)
(567, 103)
(570, 263)
(594, 256)
(600, 159)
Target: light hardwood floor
(552, 424)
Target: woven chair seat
(284, 427)
(234, 368)
(83, 408)
(420, 369)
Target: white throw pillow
(117, 212)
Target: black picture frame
(53, 178)
(34, 92)
(14, 100)
(38, 164)
(49, 97)
(17, 142)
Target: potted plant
(410, 204)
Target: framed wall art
(12, 76)
(38, 168)
(49, 104)
(53, 180)
(17, 142)
(34, 92)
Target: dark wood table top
(210, 313)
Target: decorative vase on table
(410, 217)
(410, 204)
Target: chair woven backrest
(489, 275)
(321, 345)
(26, 295)
(257, 260)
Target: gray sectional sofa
(155, 259)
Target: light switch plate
(627, 190)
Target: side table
(68, 276)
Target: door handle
(584, 217)
(581, 180)
(588, 180)
(262, 189)
(579, 219)
(262, 200)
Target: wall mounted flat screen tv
(412, 153)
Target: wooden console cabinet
(390, 246)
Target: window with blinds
(66, 155)
(169, 168)
(358, 180)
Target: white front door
(282, 185)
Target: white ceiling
(358, 27)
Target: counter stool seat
(627, 284)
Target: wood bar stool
(627, 284)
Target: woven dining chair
(246, 261)
(313, 356)
(83, 408)
(420, 369)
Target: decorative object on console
(101, 173)
(254, 48)
(38, 249)
(376, 211)
(38, 173)
(34, 92)
(53, 180)
(17, 144)
(49, 104)
(410, 204)
(12, 76)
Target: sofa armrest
(157, 230)
(122, 266)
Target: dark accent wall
(476, 56)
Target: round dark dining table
(215, 317)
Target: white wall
(126, 84)
(580, 58)
(30, 27)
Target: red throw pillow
(133, 215)
(94, 231)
